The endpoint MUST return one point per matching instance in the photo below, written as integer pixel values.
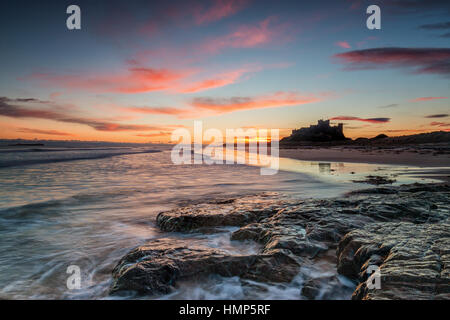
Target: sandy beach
(417, 157)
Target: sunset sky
(139, 69)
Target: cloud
(155, 110)
(343, 44)
(419, 60)
(46, 132)
(276, 100)
(216, 81)
(55, 95)
(440, 124)
(417, 6)
(370, 120)
(427, 99)
(10, 108)
(218, 10)
(393, 105)
(436, 26)
(142, 80)
(152, 18)
(206, 106)
(441, 115)
(245, 37)
(355, 4)
(134, 80)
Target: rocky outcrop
(414, 260)
(156, 267)
(236, 212)
(404, 230)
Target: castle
(322, 131)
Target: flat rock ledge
(414, 260)
(403, 230)
(229, 212)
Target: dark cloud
(418, 60)
(393, 105)
(413, 7)
(416, 6)
(442, 115)
(436, 26)
(10, 108)
(371, 120)
(46, 132)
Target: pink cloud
(204, 106)
(427, 99)
(217, 81)
(154, 110)
(218, 10)
(140, 80)
(440, 124)
(244, 37)
(343, 44)
(55, 95)
(276, 100)
(134, 80)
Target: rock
(275, 265)
(414, 259)
(402, 229)
(156, 267)
(220, 213)
(302, 229)
(327, 288)
(376, 180)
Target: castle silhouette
(322, 131)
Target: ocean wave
(25, 162)
(34, 149)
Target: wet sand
(418, 157)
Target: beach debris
(376, 180)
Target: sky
(137, 70)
